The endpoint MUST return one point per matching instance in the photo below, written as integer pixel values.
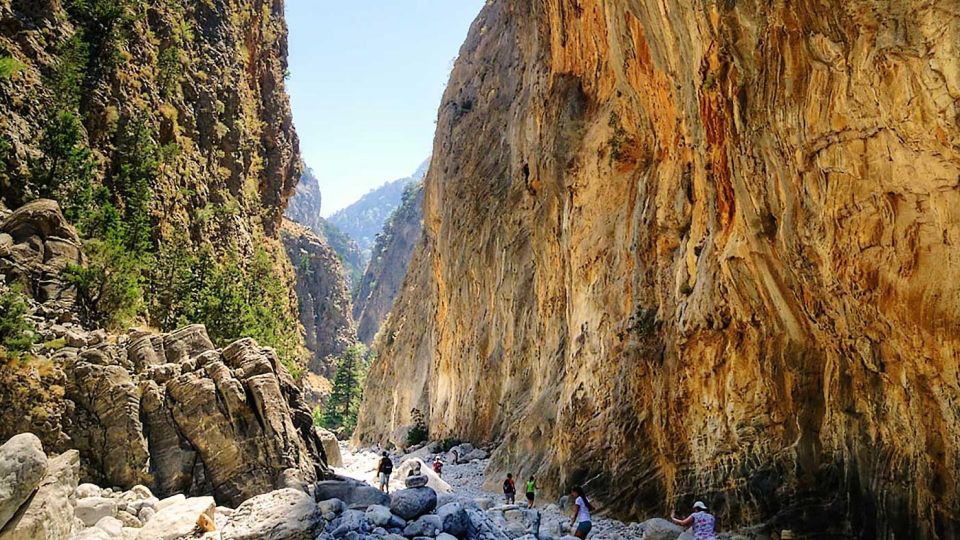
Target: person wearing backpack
(510, 489)
(384, 470)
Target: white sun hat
(699, 505)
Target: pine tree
(16, 330)
(344, 402)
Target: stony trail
(466, 482)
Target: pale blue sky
(366, 78)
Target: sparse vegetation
(17, 334)
(449, 443)
(232, 300)
(418, 432)
(9, 67)
(618, 139)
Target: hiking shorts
(384, 479)
(584, 528)
(530, 495)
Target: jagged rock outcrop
(679, 250)
(175, 414)
(36, 245)
(230, 422)
(388, 264)
(325, 309)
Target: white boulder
(22, 466)
(285, 514)
(177, 519)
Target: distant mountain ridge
(364, 219)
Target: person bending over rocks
(438, 466)
(703, 522)
(384, 469)
(510, 489)
(581, 513)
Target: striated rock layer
(706, 250)
(175, 414)
(388, 265)
(323, 297)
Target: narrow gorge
(697, 251)
(669, 252)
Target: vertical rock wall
(389, 262)
(324, 299)
(698, 250)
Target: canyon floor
(466, 482)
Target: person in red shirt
(438, 466)
(510, 489)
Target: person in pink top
(704, 524)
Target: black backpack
(507, 486)
(386, 467)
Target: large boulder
(285, 514)
(331, 447)
(50, 514)
(39, 245)
(429, 525)
(177, 519)
(354, 494)
(22, 466)
(474, 455)
(660, 529)
(351, 521)
(514, 521)
(482, 527)
(454, 519)
(379, 516)
(413, 503)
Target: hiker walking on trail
(510, 489)
(384, 469)
(438, 466)
(581, 513)
(703, 522)
(531, 491)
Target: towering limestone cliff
(388, 264)
(677, 250)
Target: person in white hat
(703, 522)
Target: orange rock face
(709, 250)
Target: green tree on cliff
(344, 403)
